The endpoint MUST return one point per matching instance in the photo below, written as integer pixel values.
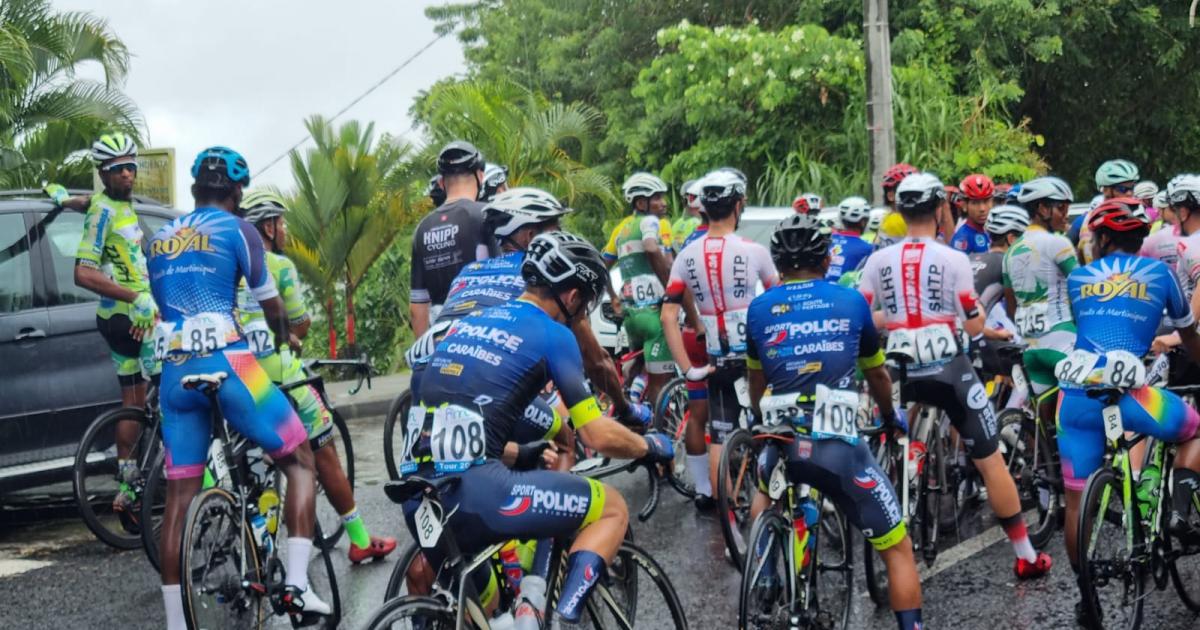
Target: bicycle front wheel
(671, 417)
(832, 578)
(737, 483)
(397, 416)
(1112, 574)
(216, 554)
(327, 515)
(96, 481)
(1185, 562)
(637, 594)
(410, 611)
(1028, 454)
(768, 594)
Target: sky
(246, 73)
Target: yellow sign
(155, 178)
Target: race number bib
(457, 439)
(1031, 319)
(259, 337)
(1020, 383)
(902, 342)
(1076, 367)
(1122, 369)
(161, 342)
(835, 415)
(429, 526)
(644, 290)
(935, 343)
(203, 333)
(1114, 428)
(780, 409)
(779, 481)
(412, 436)
(735, 332)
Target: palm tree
(352, 199)
(48, 114)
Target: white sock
(698, 466)
(297, 562)
(1024, 549)
(173, 603)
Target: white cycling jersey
(919, 282)
(1187, 269)
(1163, 245)
(1036, 269)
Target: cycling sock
(909, 619)
(297, 562)
(173, 603)
(1014, 526)
(541, 557)
(583, 569)
(356, 529)
(1187, 487)
(698, 466)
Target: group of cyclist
(508, 373)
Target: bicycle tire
(326, 513)
(874, 569)
(833, 565)
(94, 476)
(1101, 495)
(738, 465)
(434, 614)
(1186, 578)
(398, 581)
(322, 580)
(772, 557)
(397, 412)
(671, 417)
(219, 504)
(153, 510)
(635, 570)
(1030, 461)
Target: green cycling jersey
(112, 243)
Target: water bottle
(1147, 489)
(259, 525)
(503, 621)
(511, 562)
(533, 600)
(637, 388)
(800, 541)
(811, 513)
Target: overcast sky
(246, 73)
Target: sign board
(155, 178)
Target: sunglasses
(1123, 188)
(117, 168)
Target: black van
(55, 372)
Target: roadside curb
(351, 408)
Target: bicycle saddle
(413, 487)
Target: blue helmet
(212, 158)
(1013, 193)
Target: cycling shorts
(1148, 410)
(846, 474)
(250, 402)
(724, 409)
(698, 354)
(645, 332)
(956, 390)
(317, 420)
(1043, 354)
(126, 351)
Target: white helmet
(876, 219)
(516, 208)
(1160, 200)
(642, 185)
(1145, 189)
(1005, 219)
(720, 187)
(1048, 188)
(920, 192)
(692, 188)
(853, 210)
(814, 201)
(111, 146)
(1184, 190)
(1095, 203)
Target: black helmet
(435, 191)
(799, 241)
(459, 156)
(562, 261)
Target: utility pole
(880, 125)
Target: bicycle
(155, 488)
(798, 570)
(229, 567)
(616, 602)
(96, 480)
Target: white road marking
(10, 566)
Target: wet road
(54, 574)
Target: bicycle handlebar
(362, 369)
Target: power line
(354, 102)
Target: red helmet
(1122, 214)
(800, 205)
(896, 174)
(978, 186)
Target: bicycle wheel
(873, 566)
(412, 611)
(1112, 573)
(398, 585)
(1029, 456)
(217, 552)
(671, 417)
(1185, 562)
(737, 483)
(154, 504)
(637, 594)
(768, 593)
(95, 480)
(832, 578)
(397, 414)
(327, 515)
(322, 580)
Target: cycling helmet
(1005, 219)
(738, 173)
(1001, 191)
(721, 187)
(220, 167)
(1114, 172)
(494, 176)
(1145, 190)
(1160, 200)
(111, 146)
(896, 174)
(459, 156)
(920, 193)
(435, 191)
(799, 241)
(876, 219)
(693, 190)
(259, 205)
(642, 185)
(516, 208)
(853, 210)
(814, 200)
(562, 261)
(955, 195)
(977, 186)
(1010, 195)
(1185, 191)
(800, 205)
(1047, 188)
(1120, 214)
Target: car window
(16, 274)
(758, 231)
(63, 232)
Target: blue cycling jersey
(484, 284)
(970, 240)
(700, 232)
(801, 334)
(1119, 300)
(847, 252)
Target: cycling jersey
(970, 239)
(482, 284)
(987, 268)
(641, 287)
(445, 241)
(847, 251)
(112, 243)
(1187, 268)
(1163, 245)
(892, 230)
(1036, 268)
(683, 228)
(698, 233)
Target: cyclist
(641, 244)
(925, 290)
(485, 372)
(265, 210)
(686, 225)
(971, 237)
(811, 202)
(1163, 242)
(495, 180)
(1005, 224)
(1184, 201)
(1145, 292)
(847, 249)
(891, 228)
(195, 264)
(450, 237)
(957, 204)
(1114, 178)
(435, 192)
(788, 380)
(719, 272)
(1145, 191)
